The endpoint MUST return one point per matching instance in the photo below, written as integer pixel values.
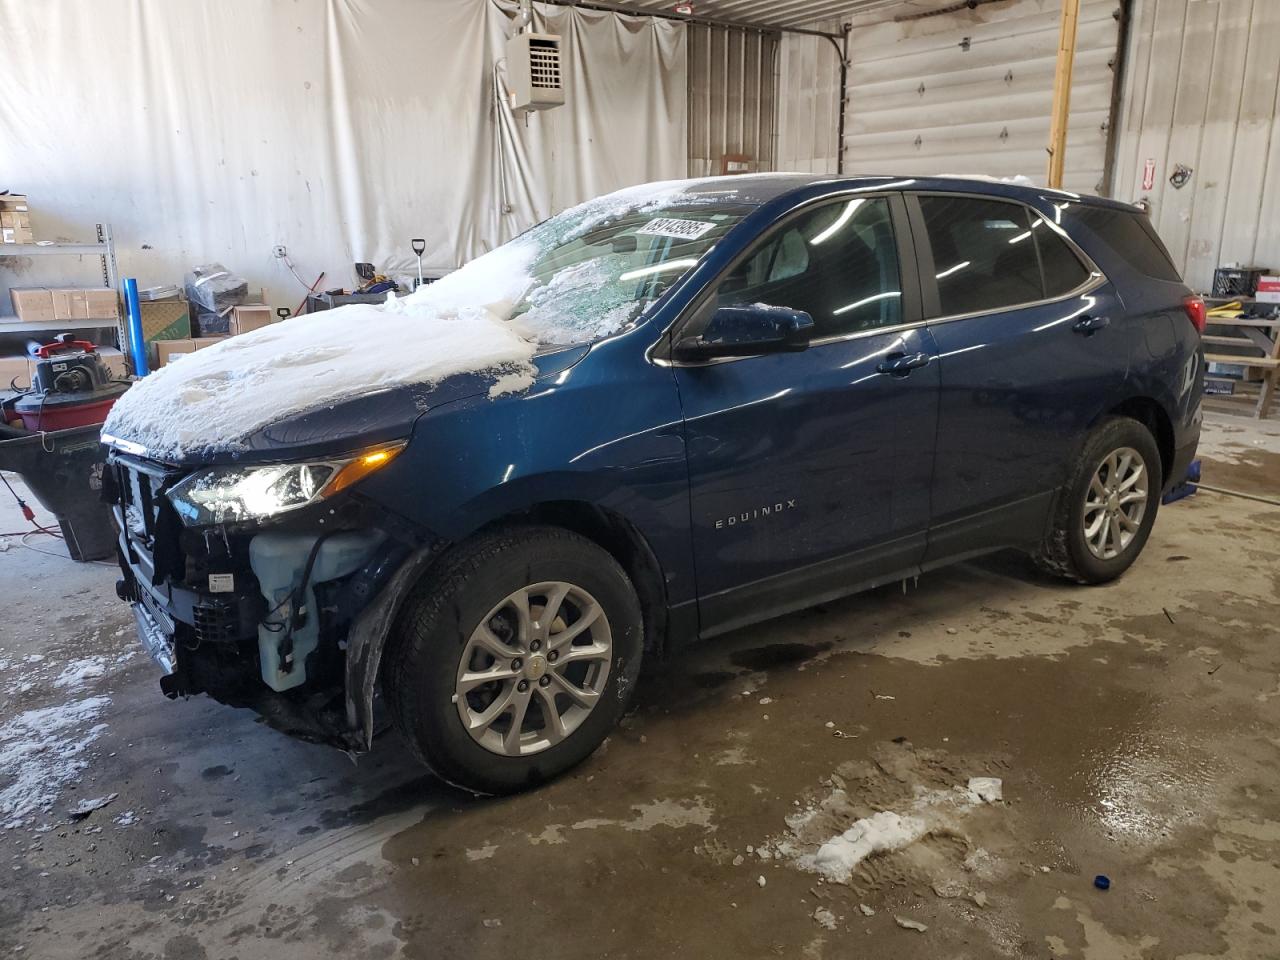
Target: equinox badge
(756, 513)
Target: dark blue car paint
(758, 485)
(768, 483)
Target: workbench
(1257, 337)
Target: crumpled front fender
(369, 635)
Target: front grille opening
(215, 623)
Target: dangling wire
(28, 513)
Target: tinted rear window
(1063, 271)
(982, 253)
(1132, 238)
(992, 255)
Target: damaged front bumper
(287, 618)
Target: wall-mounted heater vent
(535, 77)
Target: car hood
(355, 422)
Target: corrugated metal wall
(732, 90)
(1203, 90)
(971, 92)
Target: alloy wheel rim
(1115, 503)
(534, 668)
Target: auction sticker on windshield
(673, 227)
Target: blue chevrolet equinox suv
(744, 396)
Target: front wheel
(1105, 512)
(515, 659)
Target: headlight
(229, 494)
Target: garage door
(971, 92)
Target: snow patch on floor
(68, 671)
(836, 858)
(42, 752)
(77, 674)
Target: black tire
(420, 669)
(1066, 553)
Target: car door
(1027, 349)
(810, 471)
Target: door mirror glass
(746, 330)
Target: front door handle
(1089, 325)
(901, 364)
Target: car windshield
(593, 271)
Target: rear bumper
(1188, 442)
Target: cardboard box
(166, 351)
(102, 304)
(115, 362)
(15, 369)
(15, 227)
(168, 319)
(246, 318)
(94, 303)
(1268, 290)
(69, 305)
(13, 203)
(32, 304)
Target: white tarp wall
(338, 128)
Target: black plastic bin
(63, 471)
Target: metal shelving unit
(104, 249)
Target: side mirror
(747, 331)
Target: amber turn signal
(362, 466)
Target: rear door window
(1063, 271)
(984, 255)
(992, 255)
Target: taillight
(1197, 312)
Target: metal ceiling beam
(640, 11)
(784, 13)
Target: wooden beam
(1062, 91)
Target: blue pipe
(137, 346)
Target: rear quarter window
(1132, 238)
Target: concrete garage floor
(1136, 728)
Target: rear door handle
(901, 364)
(1090, 325)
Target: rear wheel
(1105, 512)
(515, 659)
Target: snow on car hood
(212, 401)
